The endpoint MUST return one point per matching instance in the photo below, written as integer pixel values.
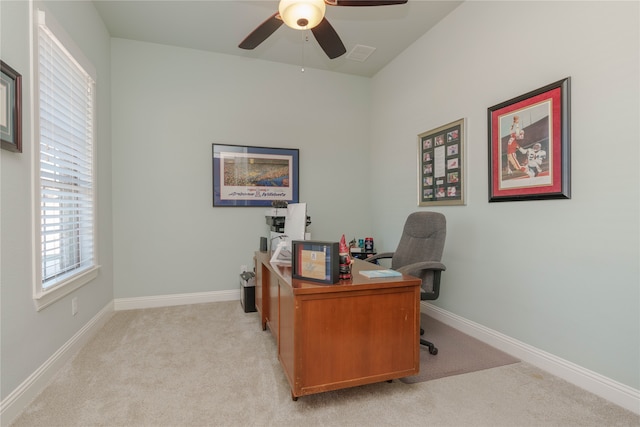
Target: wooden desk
(329, 337)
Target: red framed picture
(529, 145)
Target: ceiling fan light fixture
(302, 14)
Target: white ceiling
(220, 25)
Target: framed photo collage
(441, 165)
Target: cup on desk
(368, 244)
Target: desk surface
(357, 280)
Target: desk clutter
(362, 245)
(275, 219)
(287, 222)
(312, 260)
(362, 248)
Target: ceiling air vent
(360, 52)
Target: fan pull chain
(305, 39)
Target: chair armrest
(436, 267)
(379, 256)
(420, 266)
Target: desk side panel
(259, 268)
(273, 296)
(286, 334)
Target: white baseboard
(175, 299)
(21, 397)
(613, 391)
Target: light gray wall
(28, 337)
(169, 106)
(561, 275)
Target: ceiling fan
(309, 15)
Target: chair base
(432, 348)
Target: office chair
(419, 253)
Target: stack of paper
(380, 273)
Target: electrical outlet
(243, 268)
(74, 306)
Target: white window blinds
(66, 123)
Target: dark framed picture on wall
(10, 108)
(254, 176)
(529, 145)
(441, 175)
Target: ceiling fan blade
(262, 32)
(364, 2)
(328, 39)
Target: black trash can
(248, 291)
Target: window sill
(46, 298)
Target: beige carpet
(458, 353)
(213, 365)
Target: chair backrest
(422, 239)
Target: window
(64, 131)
